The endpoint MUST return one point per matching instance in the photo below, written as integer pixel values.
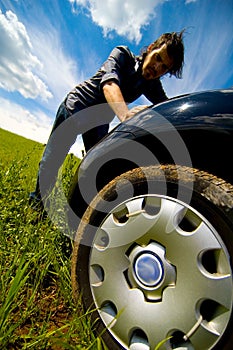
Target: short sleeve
(115, 65)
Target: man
(122, 79)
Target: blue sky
(48, 46)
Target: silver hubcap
(158, 269)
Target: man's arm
(115, 99)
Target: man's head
(165, 55)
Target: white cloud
(125, 17)
(17, 62)
(15, 118)
(34, 125)
(59, 70)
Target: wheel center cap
(149, 269)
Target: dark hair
(175, 50)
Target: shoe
(35, 201)
(37, 212)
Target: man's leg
(62, 137)
(91, 137)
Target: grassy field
(36, 306)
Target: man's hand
(134, 110)
(114, 97)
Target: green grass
(37, 310)
(36, 306)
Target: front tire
(153, 258)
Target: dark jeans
(62, 137)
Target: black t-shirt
(124, 68)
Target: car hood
(204, 109)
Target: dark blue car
(153, 202)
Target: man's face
(156, 63)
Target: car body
(153, 203)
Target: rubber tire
(211, 196)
